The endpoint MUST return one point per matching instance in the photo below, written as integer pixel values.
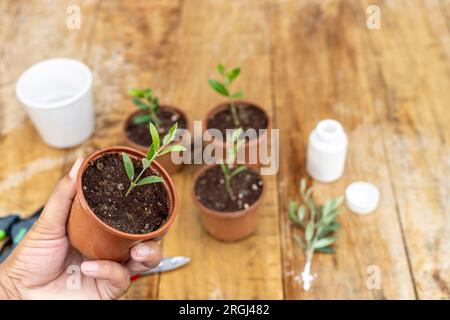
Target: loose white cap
(362, 197)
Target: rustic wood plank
(319, 69)
(213, 32)
(409, 81)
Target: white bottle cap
(362, 197)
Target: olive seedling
(155, 150)
(318, 224)
(230, 168)
(146, 101)
(223, 88)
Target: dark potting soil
(104, 185)
(250, 117)
(247, 187)
(140, 133)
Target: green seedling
(318, 224)
(230, 168)
(223, 88)
(146, 101)
(155, 150)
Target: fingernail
(142, 250)
(90, 266)
(76, 166)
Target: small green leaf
(221, 69)
(233, 74)
(238, 170)
(326, 250)
(142, 118)
(140, 104)
(325, 242)
(174, 148)
(309, 232)
(218, 87)
(149, 179)
(299, 241)
(129, 168)
(155, 104)
(238, 94)
(154, 147)
(136, 92)
(168, 138)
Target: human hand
(38, 266)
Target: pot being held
(95, 238)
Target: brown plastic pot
(165, 160)
(255, 143)
(97, 240)
(227, 226)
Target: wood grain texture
(302, 61)
(319, 72)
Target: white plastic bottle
(327, 149)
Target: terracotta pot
(228, 226)
(97, 240)
(166, 160)
(252, 144)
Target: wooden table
(303, 61)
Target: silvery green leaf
(128, 164)
(149, 179)
(326, 209)
(328, 229)
(303, 185)
(324, 242)
(308, 192)
(326, 250)
(292, 207)
(337, 202)
(309, 232)
(301, 213)
(299, 241)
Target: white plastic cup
(327, 150)
(57, 95)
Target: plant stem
(236, 121)
(227, 178)
(306, 275)
(228, 187)
(133, 183)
